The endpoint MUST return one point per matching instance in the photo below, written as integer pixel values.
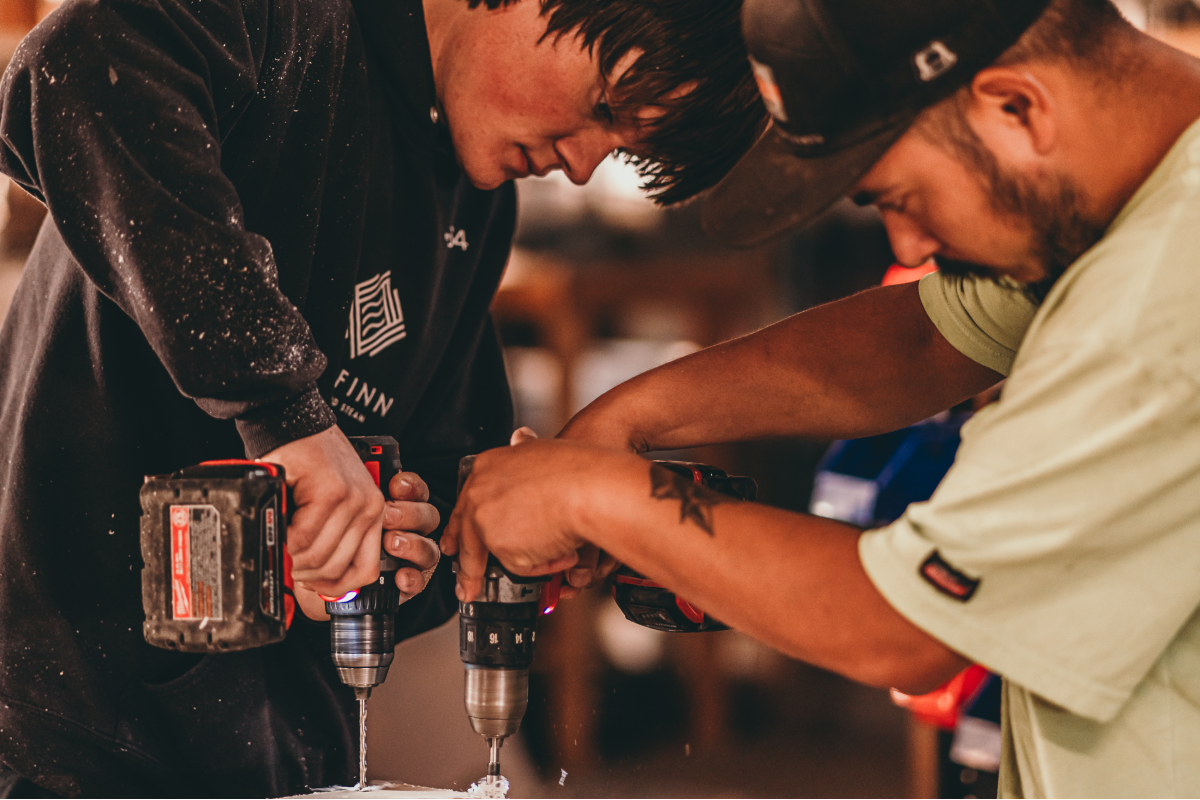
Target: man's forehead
(888, 170)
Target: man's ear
(1013, 112)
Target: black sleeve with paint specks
(114, 113)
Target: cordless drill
(218, 574)
(497, 629)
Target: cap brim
(773, 190)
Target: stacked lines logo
(376, 320)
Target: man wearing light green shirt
(1047, 155)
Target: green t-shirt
(1075, 502)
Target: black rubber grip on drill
(497, 634)
(381, 597)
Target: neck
(1131, 122)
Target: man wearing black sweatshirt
(274, 223)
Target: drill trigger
(550, 594)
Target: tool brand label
(195, 562)
(270, 558)
(946, 579)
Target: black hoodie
(257, 229)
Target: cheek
(963, 220)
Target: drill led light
(348, 596)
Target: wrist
(599, 505)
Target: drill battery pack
(649, 603)
(216, 577)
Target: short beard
(1059, 232)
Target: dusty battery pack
(213, 542)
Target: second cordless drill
(498, 628)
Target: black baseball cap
(843, 80)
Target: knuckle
(337, 492)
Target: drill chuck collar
(497, 632)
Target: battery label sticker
(195, 562)
(270, 558)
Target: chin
(486, 184)
(483, 173)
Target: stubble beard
(1059, 233)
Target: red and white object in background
(898, 274)
(943, 705)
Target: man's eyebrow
(865, 198)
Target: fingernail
(458, 592)
(577, 576)
(405, 486)
(409, 584)
(396, 540)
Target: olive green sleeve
(983, 319)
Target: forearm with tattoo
(696, 501)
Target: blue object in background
(869, 482)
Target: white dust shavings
(112, 76)
(562, 781)
(385, 789)
(484, 788)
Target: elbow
(911, 670)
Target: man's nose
(582, 153)
(912, 245)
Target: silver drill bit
(362, 695)
(493, 772)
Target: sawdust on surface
(383, 789)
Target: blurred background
(603, 285)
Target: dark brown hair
(1082, 32)
(685, 44)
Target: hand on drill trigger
(334, 533)
(593, 566)
(515, 505)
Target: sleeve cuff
(892, 561)
(981, 319)
(268, 427)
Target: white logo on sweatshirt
(456, 238)
(376, 320)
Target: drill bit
(493, 771)
(362, 695)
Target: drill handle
(649, 603)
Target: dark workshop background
(601, 286)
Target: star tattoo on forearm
(696, 501)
